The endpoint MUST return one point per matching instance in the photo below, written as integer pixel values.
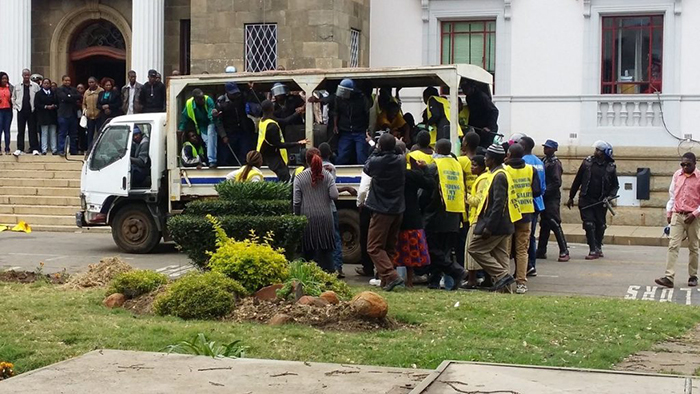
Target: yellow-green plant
(314, 281)
(137, 282)
(254, 263)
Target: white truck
(138, 215)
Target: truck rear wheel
(134, 230)
(349, 220)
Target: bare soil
(678, 356)
(143, 305)
(31, 277)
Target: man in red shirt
(682, 211)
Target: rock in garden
(370, 304)
(114, 301)
(268, 293)
(312, 301)
(280, 319)
(331, 297)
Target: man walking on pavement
(490, 246)
(23, 102)
(529, 144)
(682, 211)
(551, 216)
(386, 168)
(527, 186)
(597, 179)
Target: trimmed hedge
(195, 234)
(236, 208)
(248, 191)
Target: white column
(148, 37)
(16, 42)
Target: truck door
(107, 172)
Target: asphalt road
(625, 272)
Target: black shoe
(458, 279)
(507, 280)
(531, 271)
(361, 271)
(340, 274)
(666, 282)
(393, 284)
(433, 285)
(693, 281)
(541, 255)
(213, 165)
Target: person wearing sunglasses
(682, 211)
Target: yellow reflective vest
(522, 182)
(479, 187)
(451, 184)
(262, 131)
(446, 108)
(418, 155)
(189, 105)
(252, 174)
(513, 207)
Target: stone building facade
(109, 37)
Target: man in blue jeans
(350, 123)
(528, 144)
(68, 98)
(199, 111)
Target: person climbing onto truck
(271, 143)
(193, 154)
(140, 159)
(198, 112)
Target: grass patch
(41, 324)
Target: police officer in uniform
(597, 179)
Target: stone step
(54, 210)
(40, 159)
(65, 183)
(42, 191)
(40, 200)
(51, 166)
(38, 220)
(32, 174)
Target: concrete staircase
(44, 191)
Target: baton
(234, 154)
(605, 202)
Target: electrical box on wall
(628, 192)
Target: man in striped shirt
(682, 211)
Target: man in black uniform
(230, 109)
(483, 114)
(551, 216)
(271, 142)
(287, 104)
(597, 179)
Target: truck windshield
(111, 147)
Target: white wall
(396, 35)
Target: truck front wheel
(134, 230)
(349, 220)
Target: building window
(472, 42)
(354, 48)
(261, 47)
(185, 28)
(632, 54)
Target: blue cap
(232, 88)
(551, 144)
(137, 130)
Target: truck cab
(109, 196)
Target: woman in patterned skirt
(412, 246)
(314, 189)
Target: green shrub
(197, 295)
(314, 281)
(247, 191)
(252, 263)
(195, 234)
(201, 346)
(134, 283)
(241, 207)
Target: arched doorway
(98, 49)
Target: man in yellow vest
(193, 154)
(527, 186)
(198, 113)
(437, 115)
(468, 151)
(271, 142)
(443, 216)
(496, 212)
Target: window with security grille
(260, 47)
(354, 48)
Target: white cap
(230, 69)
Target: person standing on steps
(6, 89)
(130, 95)
(68, 99)
(597, 179)
(682, 211)
(91, 110)
(46, 103)
(551, 216)
(23, 101)
(152, 94)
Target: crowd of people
(59, 119)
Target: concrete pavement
(625, 272)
